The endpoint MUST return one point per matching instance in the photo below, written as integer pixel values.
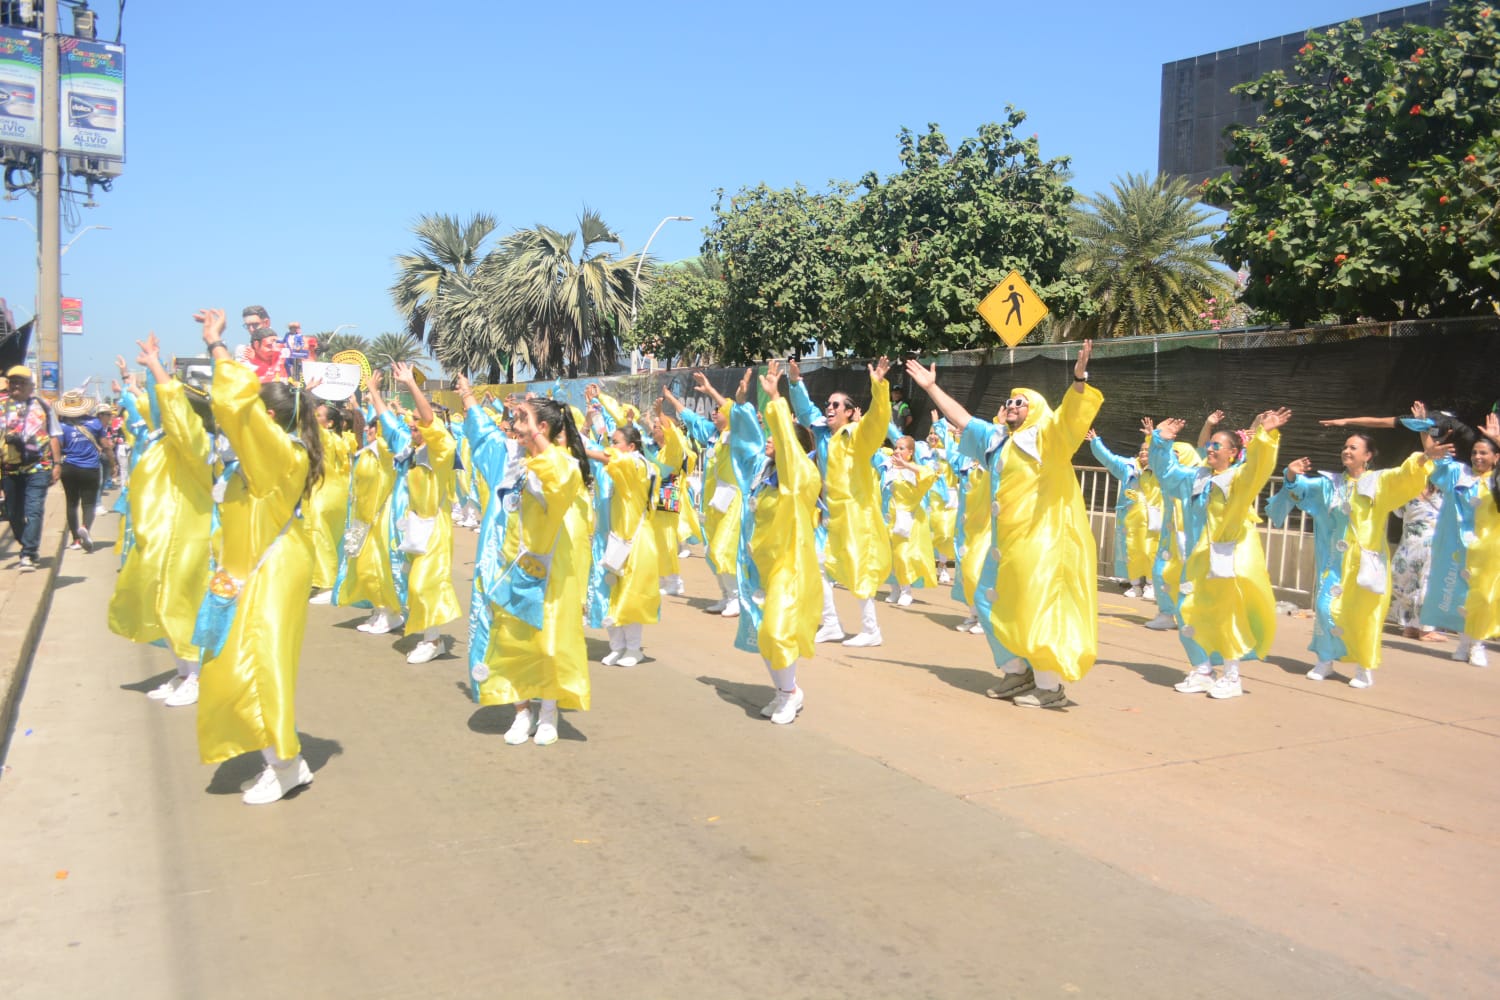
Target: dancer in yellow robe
(247, 693)
(942, 507)
(1037, 592)
(634, 583)
(671, 495)
(165, 574)
(721, 503)
(536, 640)
(329, 507)
(367, 570)
(912, 558)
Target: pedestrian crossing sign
(1012, 309)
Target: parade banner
(93, 98)
(72, 316)
(20, 87)
(330, 380)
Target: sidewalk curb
(23, 613)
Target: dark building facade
(1197, 106)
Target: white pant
(623, 637)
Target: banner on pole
(93, 98)
(72, 316)
(20, 87)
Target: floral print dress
(1413, 558)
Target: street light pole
(49, 203)
(343, 326)
(79, 235)
(636, 281)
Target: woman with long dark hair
(536, 639)
(262, 572)
(1463, 593)
(632, 570)
(1349, 511)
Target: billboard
(93, 98)
(20, 87)
(72, 316)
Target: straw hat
(74, 404)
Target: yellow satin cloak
(783, 545)
(943, 518)
(430, 597)
(246, 694)
(327, 509)
(1140, 540)
(1046, 600)
(722, 527)
(911, 557)
(368, 576)
(1358, 612)
(858, 551)
(1171, 572)
(666, 524)
(688, 525)
(976, 530)
(634, 597)
(1234, 616)
(1482, 607)
(165, 575)
(551, 662)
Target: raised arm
(1210, 427)
(926, 380)
(803, 408)
(871, 430)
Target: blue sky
(278, 153)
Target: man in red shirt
(265, 354)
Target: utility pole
(49, 202)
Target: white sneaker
(1362, 678)
(1477, 655)
(369, 624)
(966, 624)
(546, 727)
(864, 639)
(74, 545)
(321, 597)
(186, 693)
(672, 586)
(1225, 688)
(1320, 670)
(630, 659)
(684, 553)
(904, 600)
(893, 596)
(717, 606)
(1195, 683)
(274, 782)
(791, 704)
(944, 578)
(1148, 593)
(520, 729)
(1133, 593)
(164, 692)
(977, 628)
(731, 610)
(1461, 651)
(386, 624)
(85, 539)
(1163, 622)
(830, 633)
(612, 657)
(425, 651)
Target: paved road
(907, 837)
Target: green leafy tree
(926, 244)
(1368, 186)
(569, 310)
(784, 254)
(1145, 258)
(681, 315)
(439, 274)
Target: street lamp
(636, 281)
(343, 326)
(78, 237)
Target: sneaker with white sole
(1225, 688)
(944, 578)
(546, 726)
(85, 539)
(864, 639)
(630, 658)
(304, 775)
(386, 625)
(164, 692)
(1362, 678)
(1038, 698)
(27, 564)
(612, 657)
(1012, 685)
(276, 782)
(1461, 651)
(731, 610)
(769, 708)
(1133, 592)
(830, 633)
(977, 628)
(672, 586)
(520, 728)
(370, 622)
(1320, 670)
(1163, 622)
(1148, 593)
(186, 693)
(74, 546)
(1477, 656)
(791, 704)
(425, 652)
(321, 597)
(966, 624)
(904, 600)
(893, 597)
(717, 606)
(1195, 683)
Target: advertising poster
(49, 377)
(20, 87)
(72, 316)
(93, 98)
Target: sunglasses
(1017, 401)
(838, 404)
(1216, 446)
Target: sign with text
(1012, 309)
(49, 376)
(333, 381)
(72, 316)
(93, 98)
(20, 87)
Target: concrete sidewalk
(906, 837)
(25, 599)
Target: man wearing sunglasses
(857, 553)
(265, 354)
(1037, 596)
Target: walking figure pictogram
(1014, 298)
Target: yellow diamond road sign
(1012, 309)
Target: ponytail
(296, 412)
(559, 420)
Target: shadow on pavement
(229, 775)
(963, 678)
(1152, 673)
(150, 683)
(494, 720)
(60, 581)
(748, 697)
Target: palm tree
(569, 312)
(389, 348)
(1145, 256)
(330, 344)
(443, 265)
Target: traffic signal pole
(49, 206)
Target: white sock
(867, 622)
(1232, 670)
(830, 613)
(430, 635)
(729, 587)
(269, 753)
(187, 668)
(1015, 665)
(616, 638)
(1048, 680)
(785, 679)
(632, 636)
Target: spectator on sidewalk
(82, 449)
(31, 461)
